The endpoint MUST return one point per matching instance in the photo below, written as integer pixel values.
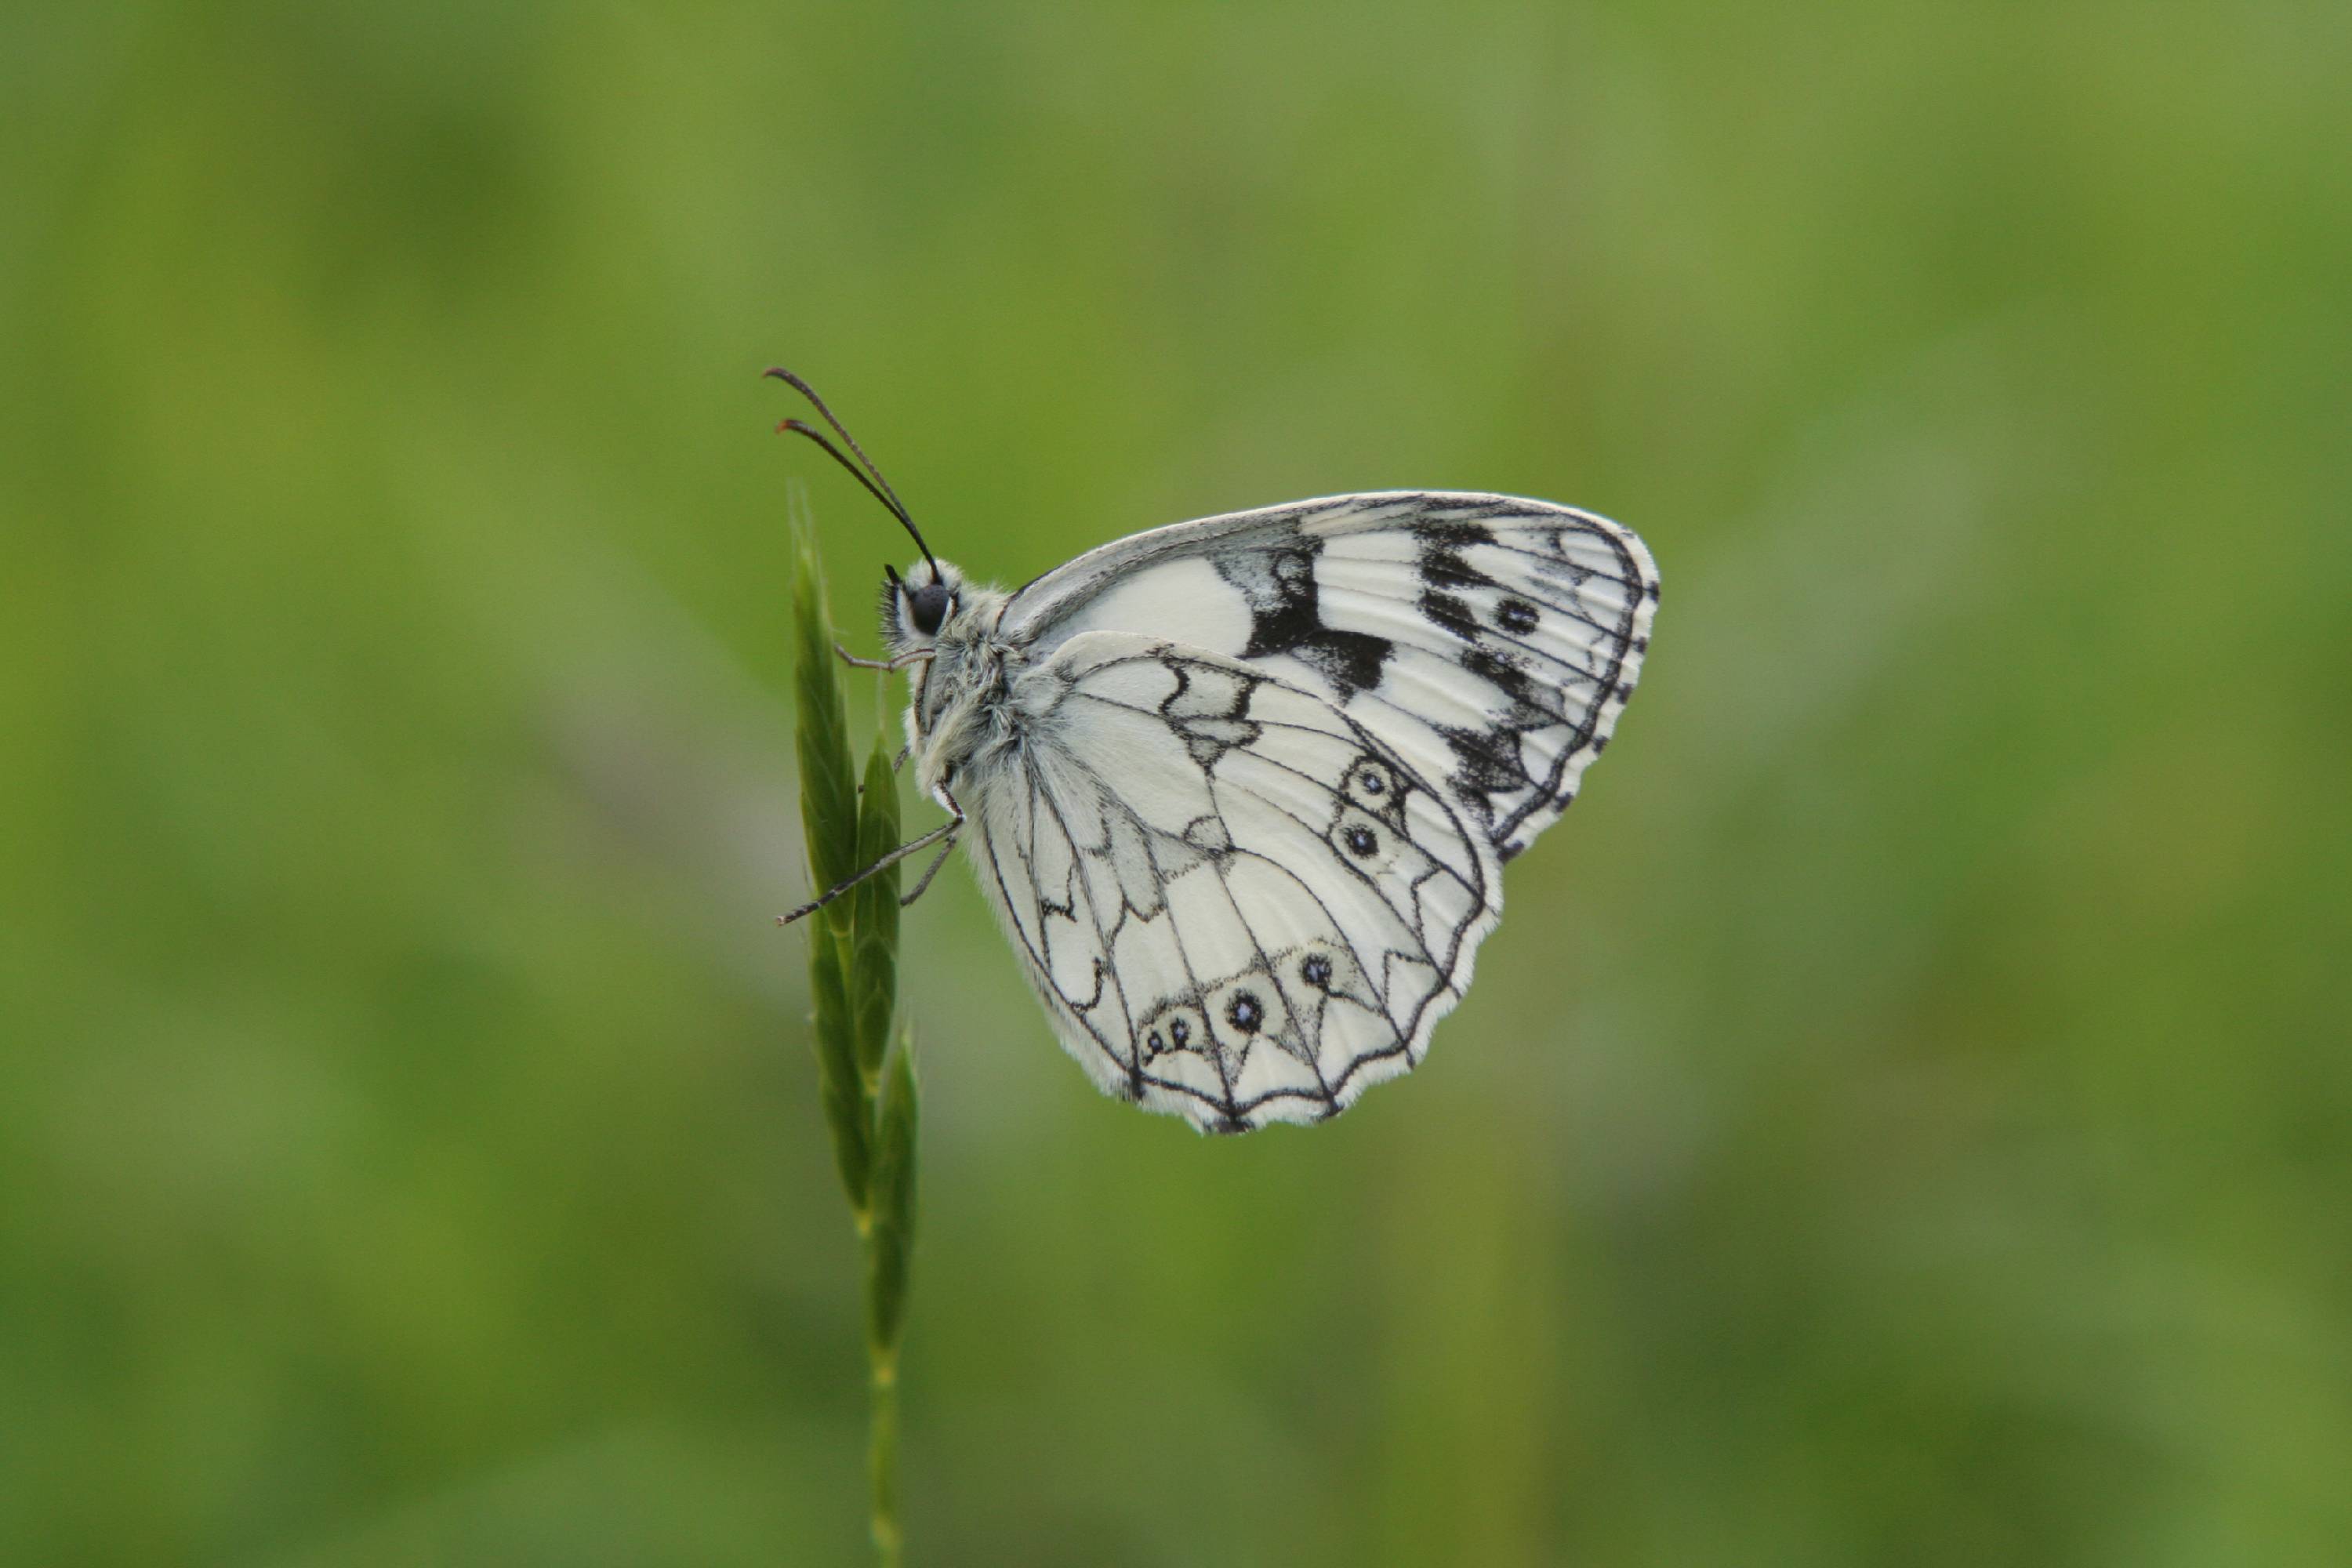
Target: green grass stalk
(868, 1091)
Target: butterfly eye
(926, 608)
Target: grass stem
(867, 1089)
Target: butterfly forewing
(1490, 641)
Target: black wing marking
(1491, 641)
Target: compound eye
(926, 608)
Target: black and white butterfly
(1241, 789)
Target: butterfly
(1240, 789)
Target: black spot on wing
(1486, 757)
(1532, 700)
(1492, 762)
(1485, 764)
(1453, 532)
(1441, 563)
(1278, 585)
(1451, 613)
(1488, 763)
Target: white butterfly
(1241, 789)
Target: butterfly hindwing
(1490, 641)
(1240, 902)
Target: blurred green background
(1905, 1119)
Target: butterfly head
(917, 605)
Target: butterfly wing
(1239, 904)
(1490, 641)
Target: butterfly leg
(929, 872)
(850, 658)
(912, 846)
(917, 656)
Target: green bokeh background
(1903, 1119)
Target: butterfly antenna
(869, 475)
(802, 427)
